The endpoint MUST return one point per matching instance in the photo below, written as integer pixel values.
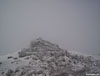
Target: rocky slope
(43, 58)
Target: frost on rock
(43, 58)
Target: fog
(73, 24)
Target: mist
(72, 24)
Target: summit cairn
(38, 45)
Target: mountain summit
(39, 42)
(38, 45)
(43, 58)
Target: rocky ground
(43, 58)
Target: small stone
(0, 63)
(15, 58)
(9, 57)
(2, 73)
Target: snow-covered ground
(43, 58)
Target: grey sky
(73, 24)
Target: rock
(15, 58)
(0, 63)
(62, 74)
(24, 53)
(9, 57)
(10, 72)
(2, 73)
